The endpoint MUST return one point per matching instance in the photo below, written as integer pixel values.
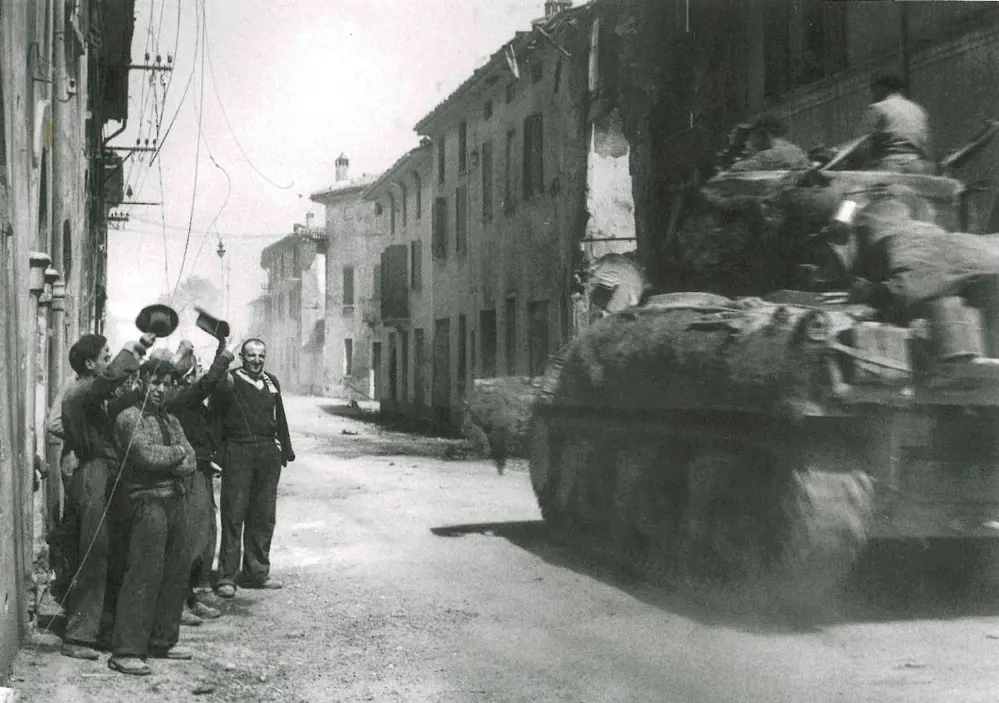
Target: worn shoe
(176, 652)
(204, 595)
(129, 665)
(190, 619)
(204, 611)
(79, 651)
(226, 590)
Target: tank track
(702, 516)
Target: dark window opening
(416, 265)
(462, 147)
(487, 338)
(67, 251)
(461, 219)
(509, 194)
(419, 366)
(462, 354)
(487, 181)
(537, 320)
(418, 195)
(533, 155)
(510, 334)
(440, 228)
(440, 160)
(487, 110)
(348, 357)
(405, 205)
(348, 286)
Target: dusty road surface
(412, 575)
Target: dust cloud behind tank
(797, 394)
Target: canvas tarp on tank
(745, 355)
(913, 262)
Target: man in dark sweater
(257, 444)
(156, 467)
(188, 404)
(88, 433)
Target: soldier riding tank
(831, 376)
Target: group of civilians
(144, 435)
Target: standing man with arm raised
(188, 405)
(256, 445)
(88, 431)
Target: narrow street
(412, 576)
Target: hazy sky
(300, 81)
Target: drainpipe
(37, 302)
(38, 263)
(57, 334)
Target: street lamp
(220, 250)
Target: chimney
(553, 7)
(342, 163)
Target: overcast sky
(299, 81)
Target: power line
(166, 258)
(197, 153)
(166, 92)
(224, 202)
(225, 117)
(187, 86)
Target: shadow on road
(382, 436)
(395, 423)
(892, 582)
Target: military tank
(832, 377)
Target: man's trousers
(201, 513)
(248, 507)
(152, 593)
(98, 555)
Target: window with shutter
(440, 228)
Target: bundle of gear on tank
(776, 403)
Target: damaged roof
(411, 157)
(354, 185)
(517, 44)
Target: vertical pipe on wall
(63, 168)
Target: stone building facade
(400, 199)
(352, 309)
(295, 303)
(63, 79)
(522, 186)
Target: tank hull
(724, 443)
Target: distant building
(525, 180)
(294, 309)
(403, 220)
(352, 309)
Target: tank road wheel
(729, 520)
(826, 516)
(793, 534)
(638, 519)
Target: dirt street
(412, 575)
